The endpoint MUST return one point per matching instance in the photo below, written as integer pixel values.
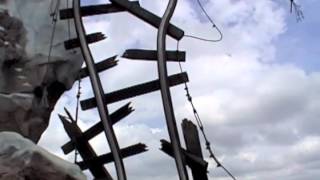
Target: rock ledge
(21, 159)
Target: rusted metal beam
(149, 17)
(97, 128)
(192, 141)
(91, 38)
(94, 10)
(135, 91)
(141, 54)
(84, 148)
(100, 66)
(191, 159)
(107, 158)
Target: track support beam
(84, 148)
(140, 54)
(135, 91)
(97, 128)
(107, 158)
(149, 17)
(94, 10)
(91, 38)
(100, 66)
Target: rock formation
(21, 159)
(31, 82)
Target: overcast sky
(257, 91)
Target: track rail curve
(98, 91)
(165, 91)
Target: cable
(69, 29)
(53, 9)
(51, 39)
(214, 26)
(54, 16)
(207, 40)
(201, 127)
(76, 153)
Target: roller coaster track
(165, 91)
(98, 92)
(79, 139)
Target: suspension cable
(69, 25)
(54, 15)
(214, 26)
(201, 127)
(76, 153)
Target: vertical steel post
(165, 91)
(98, 92)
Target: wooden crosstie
(193, 152)
(80, 141)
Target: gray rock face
(30, 81)
(21, 159)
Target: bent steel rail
(165, 91)
(98, 92)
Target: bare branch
(297, 9)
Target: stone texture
(30, 82)
(21, 159)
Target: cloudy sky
(257, 91)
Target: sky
(257, 91)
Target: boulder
(21, 159)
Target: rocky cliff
(31, 82)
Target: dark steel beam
(191, 159)
(91, 38)
(98, 92)
(84, 148)
(94, 10)
(108, 158)
(149, 17)
(165, 91)
(97, 128)
(141, 54)
(135, 91)
(100, 66)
